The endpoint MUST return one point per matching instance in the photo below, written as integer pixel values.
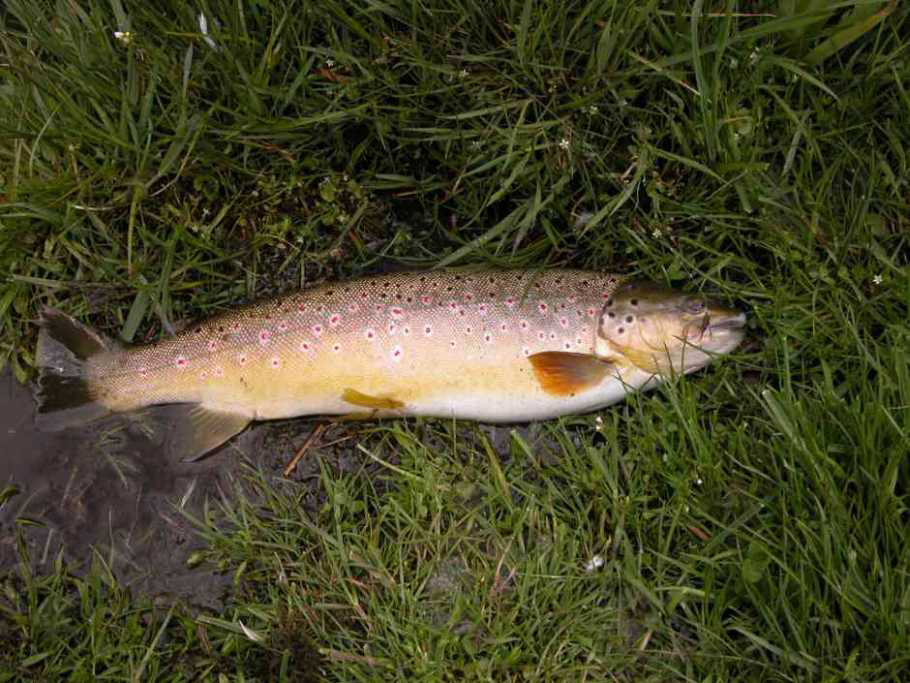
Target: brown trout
(495, 346)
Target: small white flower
(564, 143)
(753, 56)
(463, 73)
(657, 233)
(475, 144)
(698, 481)
(125, 37)
(877, 280)
(330, 63)
(595, 562)
(734, 62)
(593, 109)
(599, 423)
(204, 30)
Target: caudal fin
(65, 395)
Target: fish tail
(66, 395)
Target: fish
(497, 346)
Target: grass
(750, 522)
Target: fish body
(495, 346)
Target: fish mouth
(726, 321)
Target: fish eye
(696, 306)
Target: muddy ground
(107, 492)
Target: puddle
(108, 491)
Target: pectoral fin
(566, 374)
(372, 402)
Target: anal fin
(566, 374)
(192, 431)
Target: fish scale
(498, 346)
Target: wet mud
(106, 493)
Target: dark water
(108, 491)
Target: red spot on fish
(452, 343)
(212, 345)
(301, 307)
(396, 353)
(541, 335)
(396, 312)
(241, 359)
(317, 330)
(564, 322)
(468, 329)
(543, 307)
(510, 301)
(487, 337)
(336, 348)
(406, 330)
(305, 346)
(523, 324)
(371, 335)
(428, 330)
(334, 320)
(275, 362)
(181, 362)
(379, 308)
(264, 337)
(592, 312)
(425, 300)
(461, 312)
(468, 297)
(282, 327)
(482, 309)
(503, 327)
(453, 305)
(392, 327)
(352, 308)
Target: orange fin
(372, 402)
(566, 374)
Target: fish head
(665, 331)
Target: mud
(107, 494)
